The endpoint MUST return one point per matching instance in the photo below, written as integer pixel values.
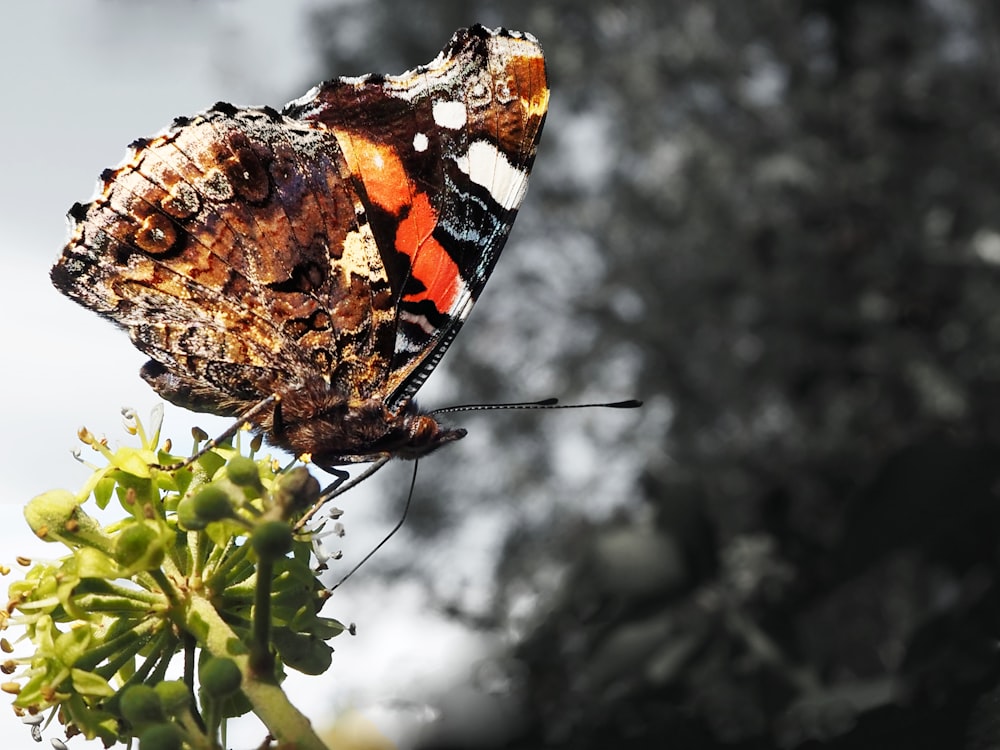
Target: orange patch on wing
(388, 186)
(529, 73)
(429, 261)
(379, 168)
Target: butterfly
(317, 260)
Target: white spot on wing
(488, 166)
(420, 142)
(421, 322)
(361, 255)
(449, 114)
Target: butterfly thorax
(334, 430)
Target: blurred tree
(778, 223)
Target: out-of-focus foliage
(778, 223)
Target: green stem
(218, 576)
(195, 553)
(260, 650)
(154, 657)
(285, 722)
(165, 585)
(122, 646)
(189, 653)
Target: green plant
(206, 564)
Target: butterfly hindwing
(441, 155)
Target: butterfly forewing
(441, 155)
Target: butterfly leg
(243, 419)
(341, 484)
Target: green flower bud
(57, 515)
(174, 696)
(271, 540)
(295, 489)
(139, 547)
(141, 706)
(243, 472)
(188, 517)
(161, 737)
(212, 503)
(219, 677)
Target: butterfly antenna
(377, 547)
(244, 419)
(545, 403)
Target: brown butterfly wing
(234, 251)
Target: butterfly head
(421, 434)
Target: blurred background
(776, 223)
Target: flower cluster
(206, 564)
